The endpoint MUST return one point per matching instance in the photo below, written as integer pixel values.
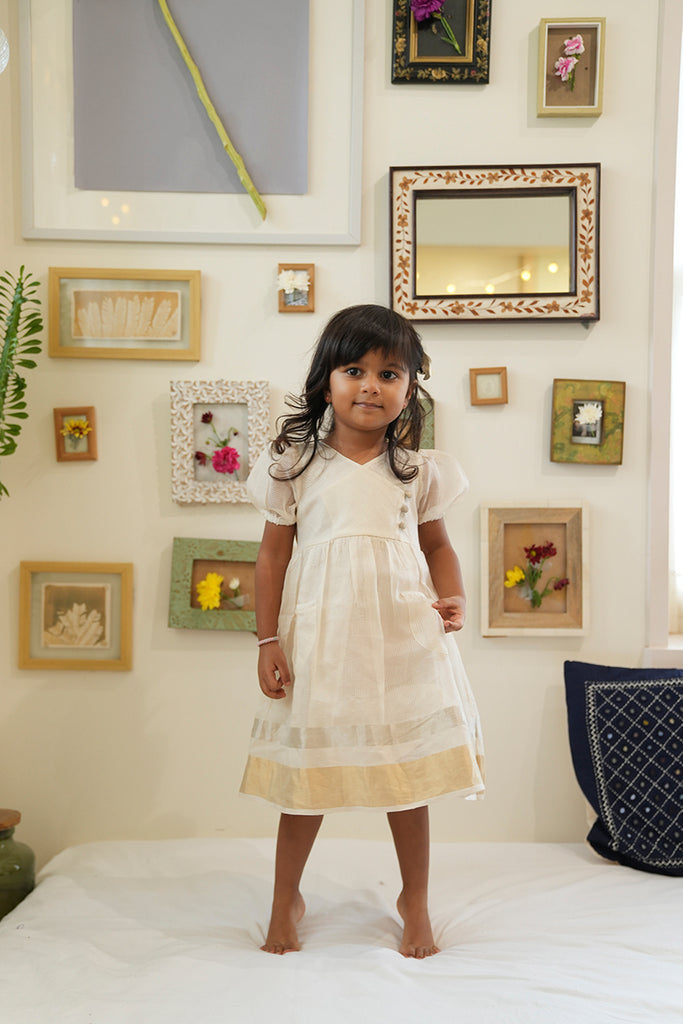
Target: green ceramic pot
(17, 865)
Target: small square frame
(418, 57)
(78, 449)
(193, 483)
(75, 329)
(555, 97)
(304, 301)
(565, 444)
(505, 531)
(191, 558)
(489, 385)
(48, 591)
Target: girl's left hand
(452, 611)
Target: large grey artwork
(138, 122)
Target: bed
(168, 931)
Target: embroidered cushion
(626, 739)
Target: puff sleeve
(441, 482)
(275, 499)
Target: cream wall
(158, 751)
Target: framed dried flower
(212, 584)
(218, 430)
(533, 570)
(588, 421)
(75, 433)
(441, 42)
(296, 287)
(571, 66)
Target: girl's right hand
(273, 671)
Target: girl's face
(368, 394)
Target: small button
(401, 526)
(403, 509)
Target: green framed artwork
(588, 421)
(445, 42)
(212, 584)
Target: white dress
(379, 713)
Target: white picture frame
(329, 214)
(204, 412)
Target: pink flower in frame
(574, 45)
(422, 9)
(225, 460)
(565, 67)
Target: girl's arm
(444, 568)
(271, 565)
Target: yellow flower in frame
(76, 427)
(514, 576)
(209, 591)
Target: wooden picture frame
(422, 54)
(75, 433)
(471, 243)
(192, 559)
(104, 313)
(488, 385)
(588, 421)
(76, 616)
(203, 415)
(298, 300)
(507, 607)
(579, 94)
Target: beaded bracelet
(268, 640)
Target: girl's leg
(410, 831)
(295, 838)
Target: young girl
(366, 702)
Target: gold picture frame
(75, 433)
(507, 608)
(489, 385)
(192, 559)
(579, 92)
(76, 616)
(105, 313)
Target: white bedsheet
(168, 931)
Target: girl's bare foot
(282, 936)
(417, 940)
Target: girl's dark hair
(347, 337)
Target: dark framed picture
(588, 421)
(442, 42)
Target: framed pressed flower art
(218, 430)
(571, 63)
(76, 615)
(441, 42)
(296, 287)
(75, 433)
(489, 385)
(533, 570)
(212, 584)
(123, 314)
(588, 421)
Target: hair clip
(426, 367)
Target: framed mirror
(481, 243)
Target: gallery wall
(157, 751)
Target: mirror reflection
(494, 244)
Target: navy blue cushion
(626, 739)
